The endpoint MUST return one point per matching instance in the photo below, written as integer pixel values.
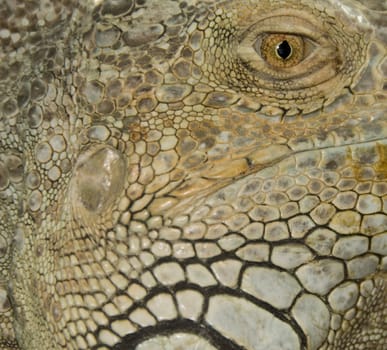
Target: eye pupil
(280, 50)
(284, 50)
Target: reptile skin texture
(193, 174)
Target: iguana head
(197, 174)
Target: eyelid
(283, 25)
(319, 51)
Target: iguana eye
(286, 47)
(281, 50)
(297, 58)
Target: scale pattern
(166, 182)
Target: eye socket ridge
(284, 24)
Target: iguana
(198, 174)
